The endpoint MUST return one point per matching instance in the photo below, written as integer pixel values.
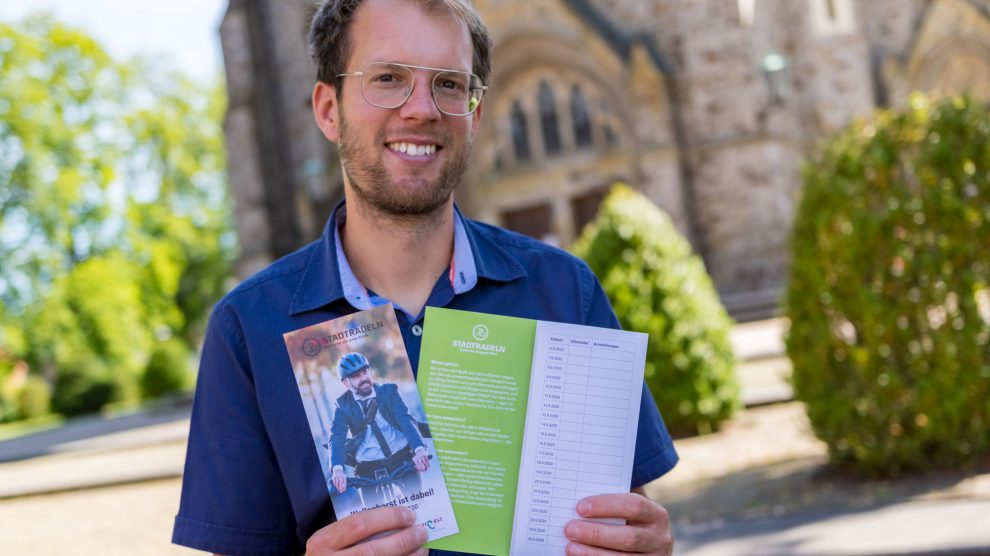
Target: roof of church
(620, 40)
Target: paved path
(952, 526)
(761, 487)
(133, 519)
(96, 432)
(78, 456)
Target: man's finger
(404, 541)
(631, 507)
(577, 549)
(621, 538)
(358, 527)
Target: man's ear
(326, 110)
(476, 117)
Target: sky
(184, 31)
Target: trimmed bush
(86, 386)
(888, 295)
(656, 285)
(167, 371)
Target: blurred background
(801, 228)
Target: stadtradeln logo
(311, 347)
(480, 333)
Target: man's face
(371, 139)
(360, 382)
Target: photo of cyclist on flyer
(373, 434)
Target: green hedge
(168, 371)
(888, 297)
(656, 285)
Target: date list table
(583, 410)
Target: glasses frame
(433, 82)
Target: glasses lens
(457, 93)
(386, 85)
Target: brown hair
(329, 39)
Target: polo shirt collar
(463, 275)
(492, 261)
(320, 281)
(328, 277)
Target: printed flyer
(528, 417)
(367, 420)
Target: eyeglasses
(389, 85)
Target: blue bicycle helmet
(350, 364)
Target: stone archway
(540, 81)
(954, 67)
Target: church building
(708, 107)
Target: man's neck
(399, 258)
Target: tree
(59, 95)
(114, 227)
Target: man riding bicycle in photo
(374, 434)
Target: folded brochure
(528, 418)
(367, 420)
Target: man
(252, 484)
(385, 439)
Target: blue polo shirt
(253, 483)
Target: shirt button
(417, 330)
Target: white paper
(580, 433)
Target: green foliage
(8, 401)
(168, 370)
(34, 398)
(656, 285)
(56, 160)
(889, 296)
(90, 333)
(86, 388)
(114, 226)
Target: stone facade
(709, 107)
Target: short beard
(372, 184)
(365, 391)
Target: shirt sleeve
(234, 499)
(405, 419)
(338, 437)
(655, 454)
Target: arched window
(611, 139)
(548, 120)
(580, 117)
(520, 132)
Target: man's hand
(350, 536)
(421, 460)
(647, 530)
(339, 479)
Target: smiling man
(400, 88)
